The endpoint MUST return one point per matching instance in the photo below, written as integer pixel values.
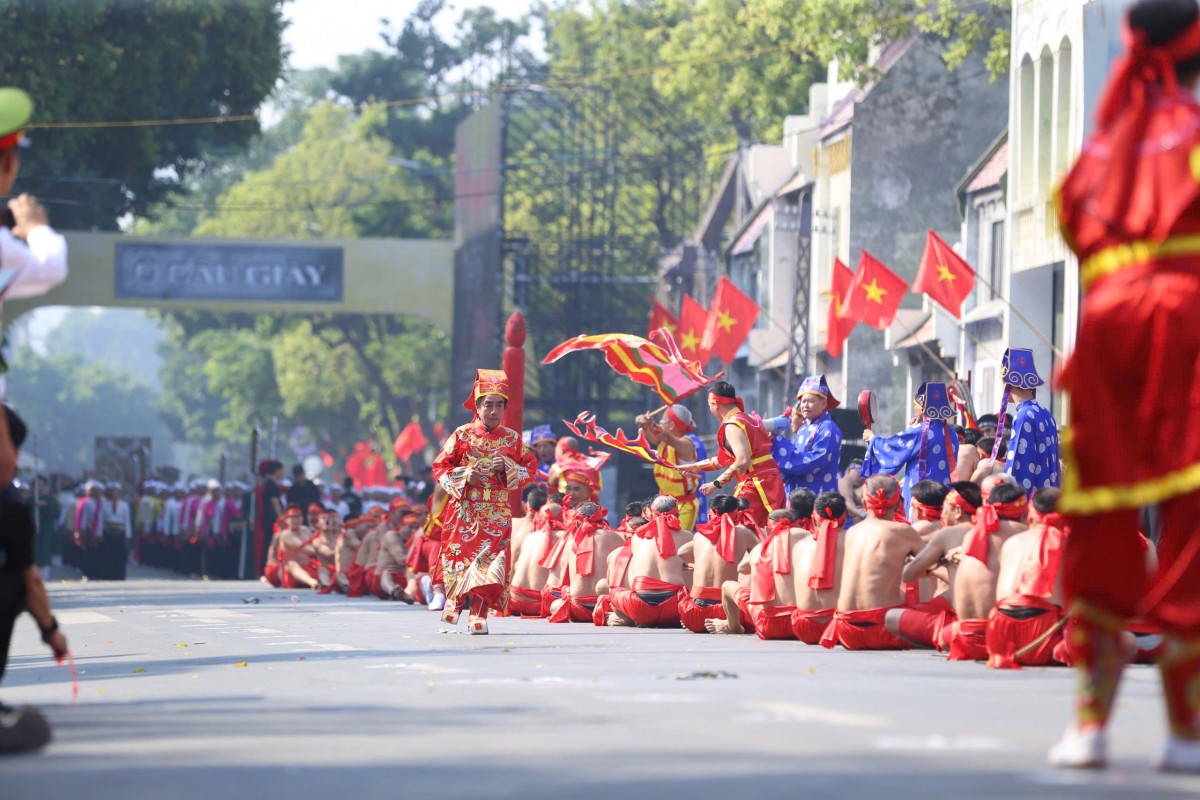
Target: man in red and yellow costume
(1130, 209)
(482, 466)
(744, 453)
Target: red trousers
(769, 622)
(1017, 622)
(764, 491)
(575, 609)
(705, 605)
(524, 602)
(809, 626)
(1103, 558)
(272, 573)
(640, 603)
(967, 639)
(357, 576)
(862, 630)
(290, 583)
(924, 623)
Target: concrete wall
(915, 135)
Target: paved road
(186, 691)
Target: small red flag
(837, 327)
(692, 319)
(875, 293)
(660, 317)
(730, 318)
(410, 441)
(944, 275)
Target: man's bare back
(975, 581)
(875, 554)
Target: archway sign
(321, 276)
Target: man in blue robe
(811, 458)
(1033, 446)
(924, 452)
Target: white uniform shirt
(116, 516)
(41, 261)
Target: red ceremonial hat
(580, 474)
(411, 518)
(487, 381)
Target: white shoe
(438, 602)
(1081, 749)
(477, 626)
(1180, 755)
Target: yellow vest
(671, 481)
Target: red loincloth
(769, 622)
(651, 603)
(600, 612)
(923, 623)
(370, 581)
(1018, 622)
(703, 604)
(548, 596)
(525, 603)
(967, 639)
(357, 577)
(375, 582)
(862, 630)
(312, 568)
(809, 626)
(575, 609)
(272, 573)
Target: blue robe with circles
(888, 455)
(812, 458)
(1033, 448)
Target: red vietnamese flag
(730, 318)
(875, 293)
(837, 327)
(944, 275)
(692, 319)
(410, 441)
(660, 317)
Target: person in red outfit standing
(1130, 209)
(481, 467)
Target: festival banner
(875, 293)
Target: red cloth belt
(646, 584)
(706, 593)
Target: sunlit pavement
(225, 690)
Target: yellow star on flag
(874, 291)
(836, 302)
(690, 341)
(944, 274)
(725, 321)
(669, 327)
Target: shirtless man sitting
(875, 553)
(297, 554)
(325, 547)
(1029, 595)
(1001, 517)
(655, 572)
(922, 625)
(717, 549)
(766, 602)
(368, 550)
(391, 569)
(587, 544)
(347, 574)
(817, 561)
(533, 539)
(927, 500)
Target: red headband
(722, 400)
(926, 512)
(987, 522)
(881, 499)
(677, 422)
(957, 500)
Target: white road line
(940, 743)
(334, 648)
(77, 617)
(791, 712)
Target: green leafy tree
(120, 60)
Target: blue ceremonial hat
(1018, 369)
(935, 401)
(542, 433)
(816, 384)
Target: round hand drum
(867, 407)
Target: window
(995, 273)
(1025, 105)
(1045, 120)
(1064, 108)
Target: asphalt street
(187, 690)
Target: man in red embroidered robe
(482, 467)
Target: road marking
(355, 613)
(262, 630)
(939, 743)
(428, 669)
(791, 712)
(76, 617)
(334, 648)
(214, 614)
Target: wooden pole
(513, 364)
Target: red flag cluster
(872, 293)
(717, 331)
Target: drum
(868, 411)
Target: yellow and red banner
(657, 364)
(585, 427)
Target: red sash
(1040, 570)
(987, 521)
(776, 559)
(722, 532)
(824, 558)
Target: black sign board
(203, 271)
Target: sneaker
(438, 601)
(1081, 749)
(1180, 755)
(477, 626)
(22, 729)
